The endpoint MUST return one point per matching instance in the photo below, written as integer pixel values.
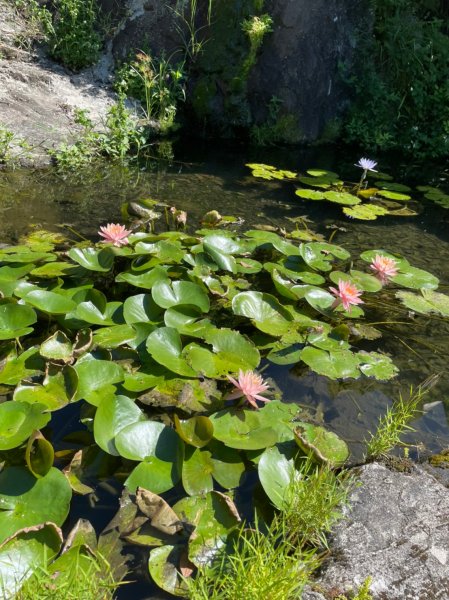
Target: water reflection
(204, 179)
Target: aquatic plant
(347, 295)
(115, 233)
(250, 385)
(385, 198)
(147, 336)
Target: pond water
(203, 178)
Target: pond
(203, 178)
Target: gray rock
(396, 530)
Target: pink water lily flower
(347, 294)
(250, 385)
(385, 268)
(115, 233)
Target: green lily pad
(49, 302)
(393, 195)
(165, 346)
(425, 303)
(14, 368)
(113, 415)
(392, 187)
(269, 172)
(28, 550)
(197, 471)
(242, 429)
(93, 259)
(115, 336)
(26, 501)
(264, 309)
(342, 198)
(39, 455)
(166, 294)
(164, 566)
(310, 194)
(276, 473)
(15, 320)
(324, 446)
(377, 365)
(146, 279)
(57, 347)
(228, 465)
(18, 420)
(197, 431)
(366, 212)
(141, 309)
(96, 379)
(411, 277)
(338, 364)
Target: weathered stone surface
(38, 97)
(396, 530)
(300, 61)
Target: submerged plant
(396, 422)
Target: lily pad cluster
(144, 336)
(384, 197)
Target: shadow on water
(203, 178)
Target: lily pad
(324, 446)
(264, 309)
(338, 364)
(425, 303)
(365, 212)
(197, 431)
(276, 473)
(93, 259)
(113, 415)
(310, 194)
(242, 429)
(342, 198)
(15, 320)
(26, 501)
(18, 420)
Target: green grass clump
(275, 562)
(396, 422)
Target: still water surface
(205, 178)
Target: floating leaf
(197, 431)
(164, 566)
(264, 309)
(393, 195)
(57, 347)
(26, 501)
(39, 455)
(341, 198)
(377, 365)
(197, 471)
(15, 320)
(242, 429)
(425, 303)
(18, 420)
(141, 309)
(310, 194)
(167, 294)
(393, 187)
(50, 302)
(335, 365)
(276, 473)
(114, 414)
(92, 258)
(96, 379)
(269, 172)
(165, 346)
(365, 212)
(324, 446)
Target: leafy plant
(157, 83)
(11, 147)
(396, 422)
(384, 197)
(122, 136)
(72, 36)
(400, 81)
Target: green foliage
(11, 147)
(363, 593)
(122, 136)
(319, 185)
(72, 37)
(401, 85)
(277, 560)
(157, 83)
(396, 422)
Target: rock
(38, 97)
(396, 530)
(300, 63)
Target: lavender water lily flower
(367, 164)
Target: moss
(222, 68)
(440, 460)
(332, 131)
(284, 130)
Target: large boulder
(396, 530)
